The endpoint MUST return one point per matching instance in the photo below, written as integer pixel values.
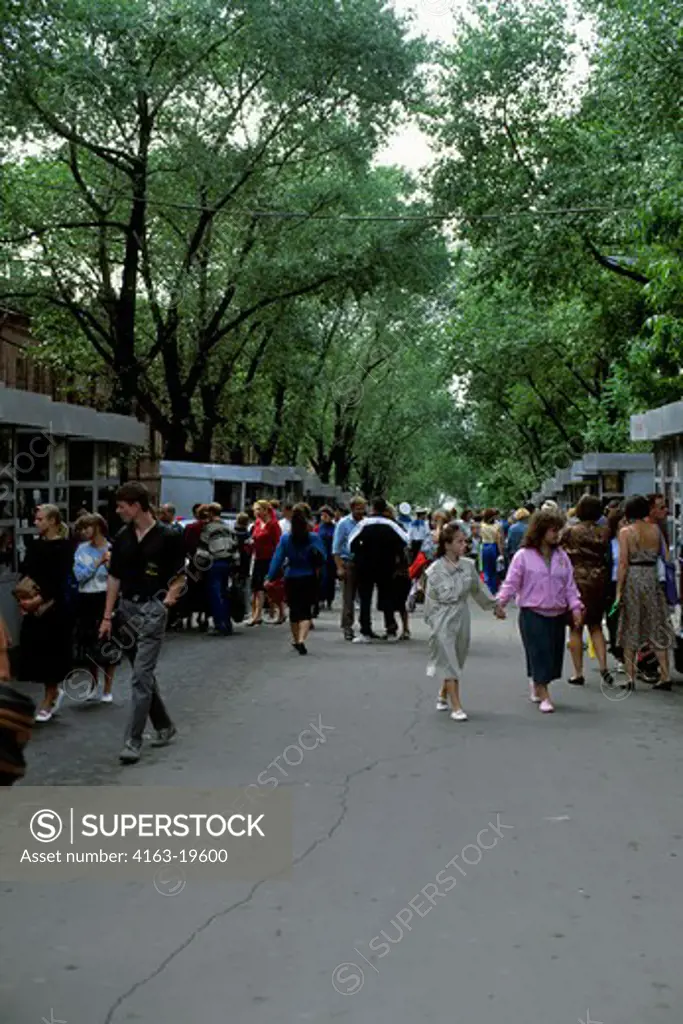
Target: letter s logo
(46, 826)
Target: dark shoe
(577, 681)
(301, 648)
(664, 685)
(607, 677)
(349, 634)
(164, 737)
(130, 753)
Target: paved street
(571, 908)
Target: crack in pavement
(345, 786)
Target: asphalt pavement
(513, 868)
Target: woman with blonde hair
(91, 569)
(263, 543)
(45, 639)
(491, 548)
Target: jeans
(219, 599)
(140, 631)
(489, 558)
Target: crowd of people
(594, 567)
(87, 601)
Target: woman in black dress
(45, 640)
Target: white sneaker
(107, 698)
(441, 705)
(546, 707)
(44, 715)
(362, 639)
(459, 716)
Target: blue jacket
(515, 537)
(296, 558)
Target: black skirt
(45, 647)
(89, 615)
(543, 637)
(258, 576)
(301, 594)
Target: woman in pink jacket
(542, 579)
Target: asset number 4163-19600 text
(210, 856)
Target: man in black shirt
(146, 576)
(378, 545)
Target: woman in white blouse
(91, 570)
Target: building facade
(607, 475)
(663, 429)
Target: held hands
(499, 612)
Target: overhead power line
(436, 218)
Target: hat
(404, 508)
(421, 511)
(521, 513)
(550, 506)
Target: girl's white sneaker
(441, 705)
(546, 707)
(459, 716)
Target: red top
(191, 536)
(265, 538)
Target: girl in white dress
(451, 580)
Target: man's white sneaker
(362, 639)
(441, 705)
(107, 698)
(459, 716)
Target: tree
(566, 191)
(165, 135)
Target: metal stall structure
(663, 428)
(54, 453)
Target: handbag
(667, 577)
(238, 606)
(275, 589)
